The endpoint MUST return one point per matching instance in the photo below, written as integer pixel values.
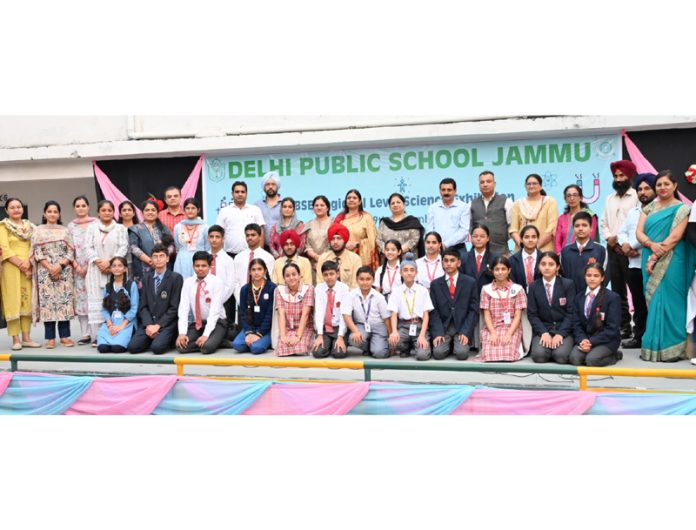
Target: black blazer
(518, 274)
(463, 310)
(160, 308)
(469, 268)
(606, 304)
(556, 318)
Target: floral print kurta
(55, 297)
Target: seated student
(477, 264)
(430, 265)
(410, 307)
(596, 322)
(158, 308)
(252, 234)
(294, 302)
(502, 302)
(576, 256)
(348, 262)
(525, 262)
(330, 298)
(222, 266)
(456, 309)
(388, 275)
(550, 312)
(119, 308)
(255, 311)
(201, 296)
(290, 240)
(367, 317)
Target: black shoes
(626, 333)
(631, 344)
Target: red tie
(251, 257)
(478, 263)
(530, 271)
(588, 305)
(213, 266)
(451, 286)
(199, 292)
(581, 248)
(329, 311)
(548, 293)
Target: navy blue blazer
(573, 263)
(463, 311)
(518, 274)
(604, 325)
(556, 318)
(485, 276)
(161, 307)
(261, 321)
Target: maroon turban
(291, 235)
(627, 167)
(338, 228)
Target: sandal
(17, 346)
(30, 344)
(50, 344)
(67, 343)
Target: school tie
(199, 292)
(529, 270)
(478, 263)
(549, 296)
(581, 248)
(158, 280)
(329, 311)
(588, 305)
(451, 286)
(213, 265)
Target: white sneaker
(693, 360)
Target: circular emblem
(215, 171)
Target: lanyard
(412, 307)
(506, 308)
(369, 305)
(431, 277)
(253, 292)
(391, 277)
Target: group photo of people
(493, 280)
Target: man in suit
(159, 303)
(456, 299)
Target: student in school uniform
(410, 306)
(367, 317)
(525, 262)
(477, 264)
(222, 266)
(348, 262)
(119, 309)
(252, 235)
(329, 300)
(290, 242)
(159, 305)
(576, 256)
(201, 296)
(596, 322)
(255, 311)
(388, 274)
(456, 309)
(550, 312)
(430, 265)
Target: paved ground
(514, 380)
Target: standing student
(456, 309)
(477, 264)
(254, 241)
(294, 302)
(388, 276)
(502, 302)
(119, 309)
(596, 322)
(430, 265)
(255, 310)
(190, 235)
(201, 296)
(222, 266)
(367, 317)
(16, 284)
(78, 231)
(576, 256)
(550, 312)
(348, 262)
(331, 297)
(54, 255)
(290, 241)
(525, 262)
(159, 305)
(410, 308)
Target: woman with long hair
(190, 236)
(144, 236)
(363, 232)
(119, 309)
(564, 228)
(537, 209)
(317, 240)
(288, 221)
(405, 228)
(255, 310)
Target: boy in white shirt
(222, 266)
(329, 296)
(410, 307)
(252, 233)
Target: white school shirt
(224, 269)
(241, 267)
(386, 286)
(233, 219)
(377, 305)
(321, 297)
(211, 310)
(426, 269)
(397, 301)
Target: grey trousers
(329, 347)
(597, 356)
(409, 345)
(560, 355)
(451, 343)
(375, 343)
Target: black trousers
(216, 337)
(618, 271)
(640, 308)
(163, 342)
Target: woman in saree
(361, 225)
(668, 268)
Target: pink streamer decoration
(309, 398)
(111, 192)
(123, 395)
(191, 184)
(535, 402)
(5, 378)
(642, 163)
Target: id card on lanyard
(431, 277)
(507, 317)
(368, 329)
(411, 308)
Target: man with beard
(645, 184)
(270, 205)
(348, 262)
(616, 209)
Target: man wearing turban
(270, 204)
(290, 240)
(348, 262)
